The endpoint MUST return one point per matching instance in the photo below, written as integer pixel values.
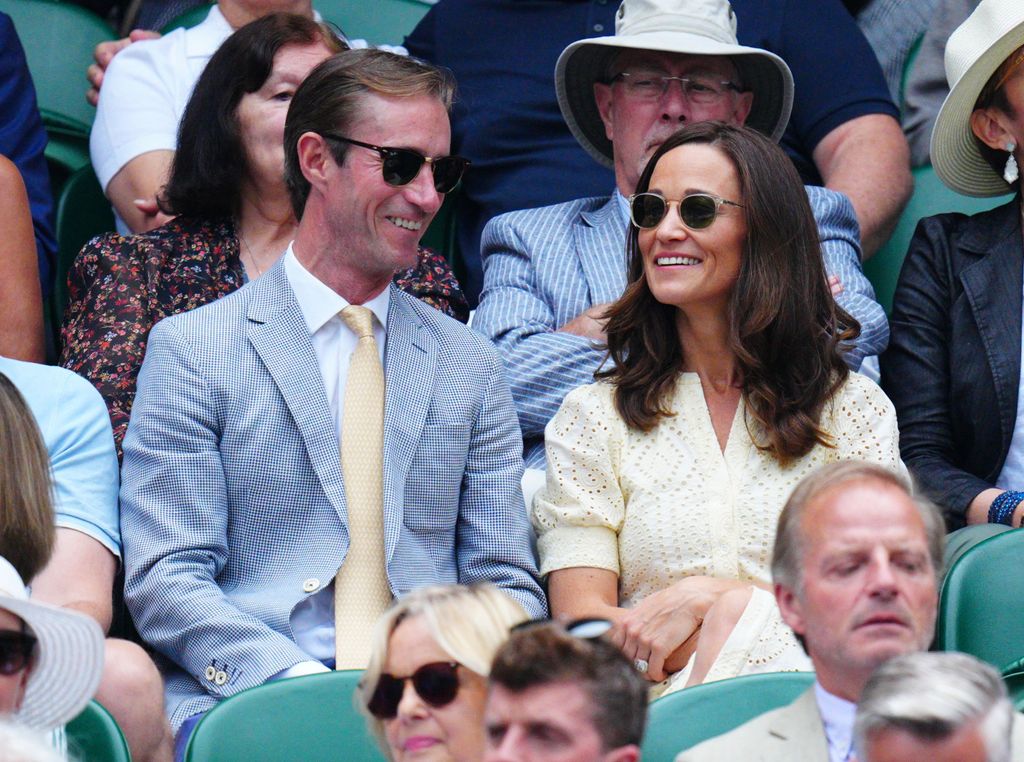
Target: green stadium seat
(684, 719)
(930, 197)
(382, 22)
(980, 601)
(1013, 676)
(82, 213)
(94, 736)
(293, 720)
(59, 39)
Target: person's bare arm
(134, 188)
(662, 629)
(867, 158)
(589, 324)
(21, 301)
(79, 576)
(104, 54)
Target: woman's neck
(706, 350)
(265, 227)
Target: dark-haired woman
(234, 219)
(665, 479)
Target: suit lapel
(280, 336)
(800, 726)
(410, 359)
(597, 235)
(993, 285)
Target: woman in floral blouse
(234, 218)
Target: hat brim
(585, 62)
(68, 666)
(954, 151)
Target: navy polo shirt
(23, 140)
(507, 120)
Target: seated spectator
(892, 28)
(145, 91)
(23, 140)
(550, 273)
(426, 682)
(563, 693)
(727, 386)
(953, 369)
(51, 658)
(235, 215)
(80, 575)
(21, 304)
(855, 567)
(502, 53)
(320, 442)
(941, 707)
(927, 87)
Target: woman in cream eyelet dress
(725, 387)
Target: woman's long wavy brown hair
(786, 330)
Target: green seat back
(94, 736)
(981, 599)
(684, 719)
(293, 720)
(82, 213)
(59, 39)
(188, 19)
(930, 197)
(382, 22)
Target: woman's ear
(992, 127)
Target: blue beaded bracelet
(1002, 508)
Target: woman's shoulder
(860, 394)
(181, 233)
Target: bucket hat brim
(954, 150)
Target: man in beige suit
(855, 564)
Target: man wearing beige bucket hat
(550, 272)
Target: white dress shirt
(837, 716)
(312, 620)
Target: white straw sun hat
(974, 51)
(69, 655)
(693, 27)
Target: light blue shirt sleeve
(77, 432)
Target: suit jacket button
(211, 673)
(311, 584)
(220, 678)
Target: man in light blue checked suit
(550, 272)
(234, 513)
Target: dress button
(210, 673)
(311, 584)
(220, 678)
(598, 27)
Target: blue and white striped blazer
(233, 507)
(543, 267)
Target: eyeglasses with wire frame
(400, 166)
(645, 85)
(697, 210)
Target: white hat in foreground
(69, 655)
(973, 53)
(691, 27)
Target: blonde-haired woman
(426, 683)
(26, 488)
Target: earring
(1011, 173)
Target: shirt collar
(623, 203)
(837, 716)
(319, 303)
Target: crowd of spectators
(678, 439)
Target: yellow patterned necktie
(361, 590)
